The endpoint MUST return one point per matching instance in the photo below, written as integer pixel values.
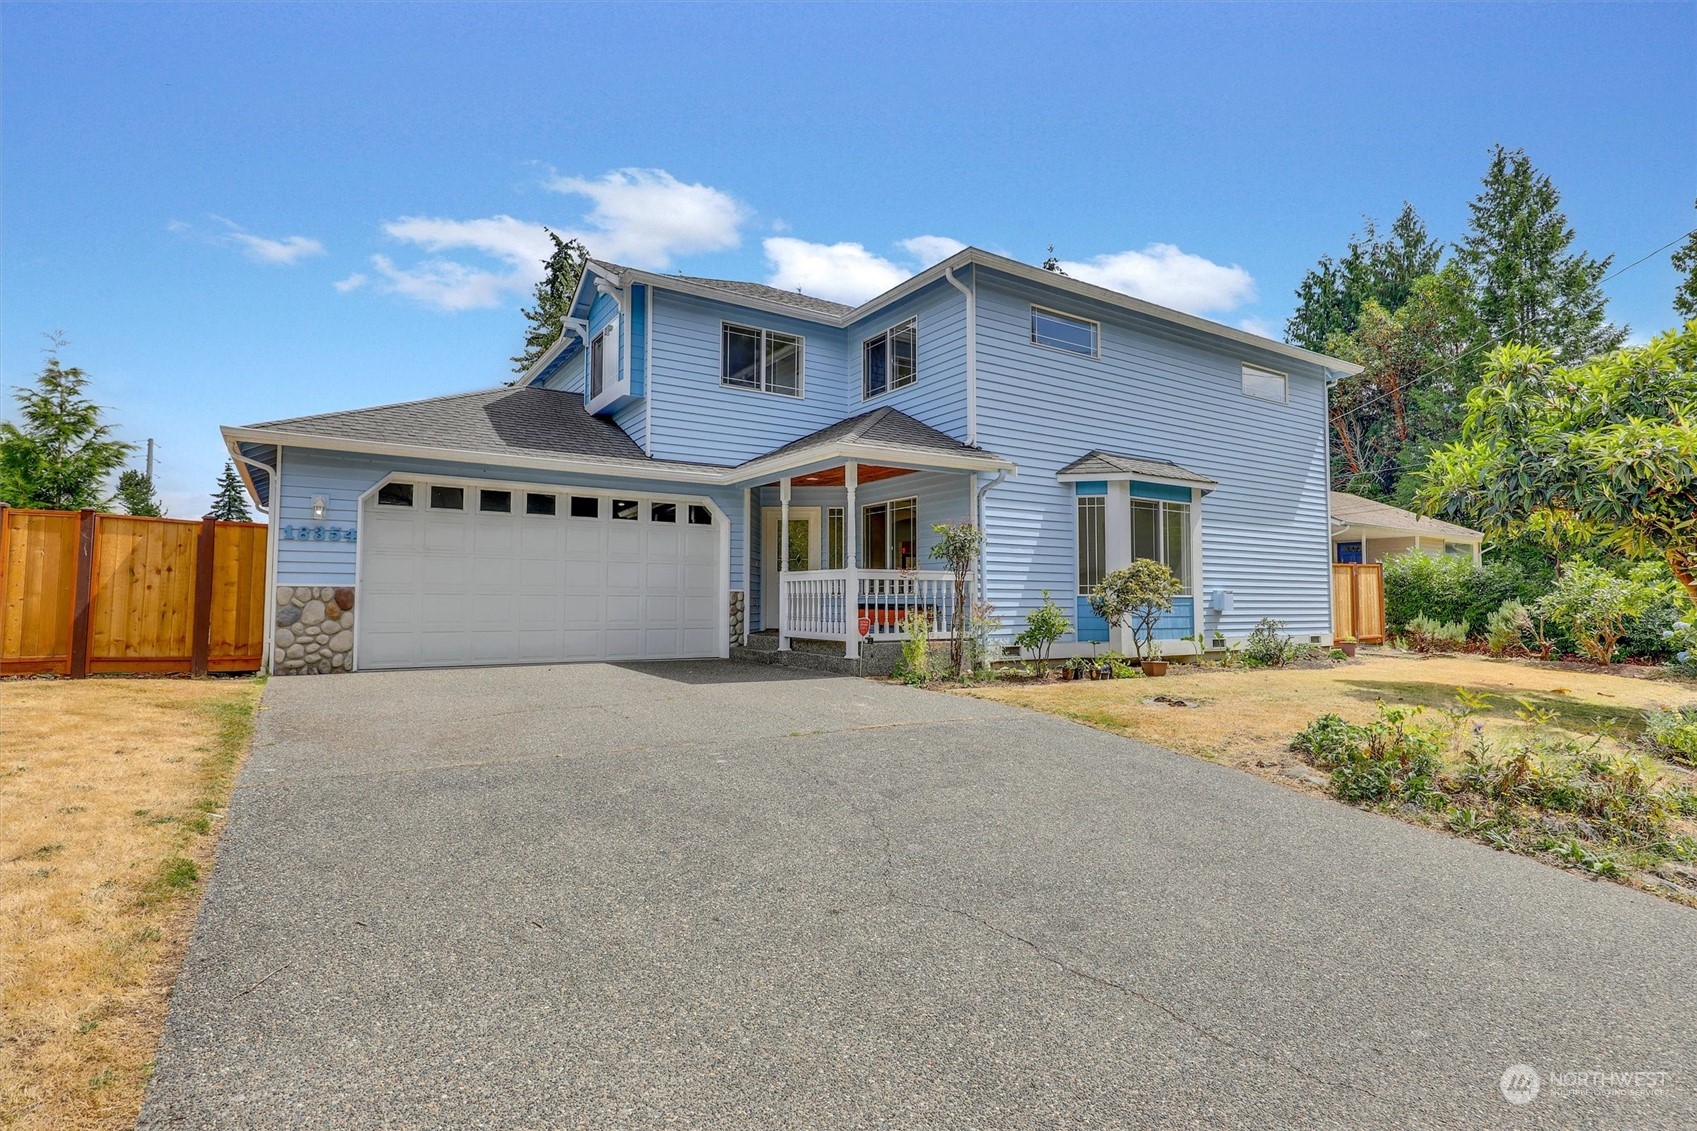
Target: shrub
(915, 666)
(1672, 734)
(1046, 624)
(1135, 596)
(1329, 741)
(1449, 588)
(1384, 762)
(1267, 645)
(1427, 635)
(1592, 604)
(1506, 629)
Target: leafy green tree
(958, 546)
(1382, 269)
(1528, 287)
(59, 453)
(1685, 262)
(1135, 596)
(135, 495)
(229, 502)
(1607, 448)
(552, 297)
(1418, 362)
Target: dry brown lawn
(111, 795)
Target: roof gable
(1357, 511)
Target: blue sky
(245, 212)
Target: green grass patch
(1566, 712)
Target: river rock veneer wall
(315, 630)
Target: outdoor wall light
(319, 505)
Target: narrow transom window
(1265, 384)
(700, 515)
(447, 498)
(836, 538)
(1160, 531)
(890, 360)
(627, 510)
(394, 495)
(495, 502)
(538, 504)
(1064, 332)
(585, 506)
(662, 512)
(761, 359)
(1092, 542)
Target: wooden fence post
(201, 642)
(84, 594)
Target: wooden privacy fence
(83, 593)
(1358, 601)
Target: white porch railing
(813, 603)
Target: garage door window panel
(394, 495)
(447, 498)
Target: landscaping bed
(112, 794)
(1571, 716)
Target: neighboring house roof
(537, 427)
(543, 422)
(837, 314)
(1356, 511)
(1108, 465)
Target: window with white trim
(1160, 531)
(1265, 384)
(764, 360)
(890, 360)
(1092, 542)
(604, 359)
(1064, 332)
(836, 539)
(889, 533)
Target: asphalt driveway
(712, 895)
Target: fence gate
(1358, 601)
(84, 593)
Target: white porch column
(1117, 543)
(783, 563)
(851, 570)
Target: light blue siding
(342, 477)
(938, 394)
(1163, 392)
(633, 418)
(696, 418)
(1091, 627)
(638, 340)
(1161, 491)
(569, 370)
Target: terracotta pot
(1348, 648)
(1154, 667)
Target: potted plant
(1347, 645)
(1136, 596)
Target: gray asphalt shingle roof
(736, 288)
(1108, 463)
(1357, 511)
(888, 426)
(542, 422)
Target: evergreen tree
(1685, 262)
(229, 502)
(135, 495)
(1377, 268)
(1528, 288)
(553, 296)
(59, 454)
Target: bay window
(1092, 542)
(1160, 531)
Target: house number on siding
(304, 532)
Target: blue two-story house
(697, 460)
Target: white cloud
(519, 248)
(283, 252)
(842, 272)
(931, 249)
(847, 272)
(1262, 327)
(646, 217)
(1164, 274)
(352, 283)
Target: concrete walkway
(717, 895)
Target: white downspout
(971, 294)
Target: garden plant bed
(112, 793)
(1246, 717)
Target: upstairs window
(1064, 332)
(1160, 531)
(764, 360)
(890, 360)
(1265, 384)
(604, 359)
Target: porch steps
(818, 655)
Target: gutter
(971, 294)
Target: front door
(803, 554)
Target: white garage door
(459, 574)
